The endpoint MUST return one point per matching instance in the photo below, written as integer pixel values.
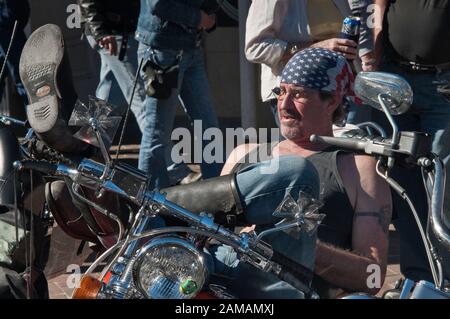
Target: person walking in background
(170, 35)
(109, 28)
(413, 40)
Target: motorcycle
(178, 265)
(168, 262)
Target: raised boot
(46, 75)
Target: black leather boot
(217, 196)
(46, 75)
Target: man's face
(302, 112)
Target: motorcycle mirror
(106, 117)
(297, 216)
(396, 92)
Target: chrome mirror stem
(279, 227)
(108, 163)
(395, 134)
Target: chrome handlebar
(438, 217)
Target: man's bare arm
(373, 208)
(342, 268)
(350, 269)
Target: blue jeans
(117, 78)
(13, 59)
(116, 85)
(260, 195)
(429, 113)
(193, 91)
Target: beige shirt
(273, 24)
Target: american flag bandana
(320, 69)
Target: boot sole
(39, 64)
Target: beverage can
(351, 28)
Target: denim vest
(169, 24)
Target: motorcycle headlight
(169, 268)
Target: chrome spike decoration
(304, 213)
(106, 116)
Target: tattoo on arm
(382, 216)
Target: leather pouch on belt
(159, 82)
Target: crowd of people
(307, 72)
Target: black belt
(417, 67)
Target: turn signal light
(89, 288)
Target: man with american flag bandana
(353, 237)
